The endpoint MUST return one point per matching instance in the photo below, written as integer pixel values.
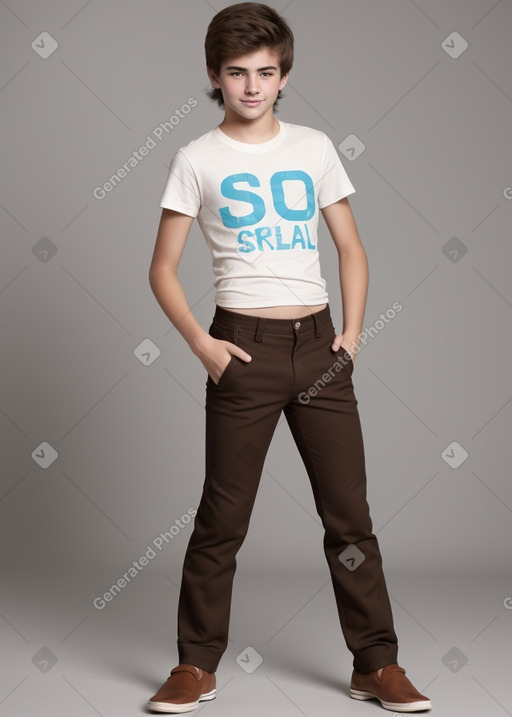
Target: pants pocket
(224, 334)
(343, 355)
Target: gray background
(434, 176)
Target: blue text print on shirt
(269, 237)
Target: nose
(251, 85)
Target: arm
(172, 234)
(353, 270)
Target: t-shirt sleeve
(181, 191)
(334, 183)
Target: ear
(284, 80)
(213, 78)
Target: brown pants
(293, 369)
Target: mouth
(252, 103)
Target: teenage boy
(256, 186)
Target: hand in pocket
(217, 357)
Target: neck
(252, 131)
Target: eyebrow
(244, 69)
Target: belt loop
(317, 329)
(259, 329)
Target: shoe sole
(174, 707)
(394, 706)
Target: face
(249, 83)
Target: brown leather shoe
(186, 687)
(393, 689)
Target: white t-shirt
(257, 206)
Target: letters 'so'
(229, 191)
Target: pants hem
(375, 658)
(203, 657)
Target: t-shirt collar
(248, 146)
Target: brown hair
(242, 29)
